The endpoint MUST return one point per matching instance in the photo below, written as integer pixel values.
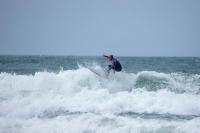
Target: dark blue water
(32, 64)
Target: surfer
(115, 64)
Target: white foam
(25, 101)
(96, 123)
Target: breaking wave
(146, 101)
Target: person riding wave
(115, 64)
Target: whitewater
(79, 101)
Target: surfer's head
(110, 57)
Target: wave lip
(176, 82)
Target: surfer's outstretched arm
(105, 56)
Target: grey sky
(94, 27)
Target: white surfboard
(100, 73)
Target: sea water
(57, 94)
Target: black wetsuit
(115, 65)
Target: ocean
(58, 94)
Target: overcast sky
(96, 27)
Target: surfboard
(98, 72)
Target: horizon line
(99, 55)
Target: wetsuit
(115, 65)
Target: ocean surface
(58, 94)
